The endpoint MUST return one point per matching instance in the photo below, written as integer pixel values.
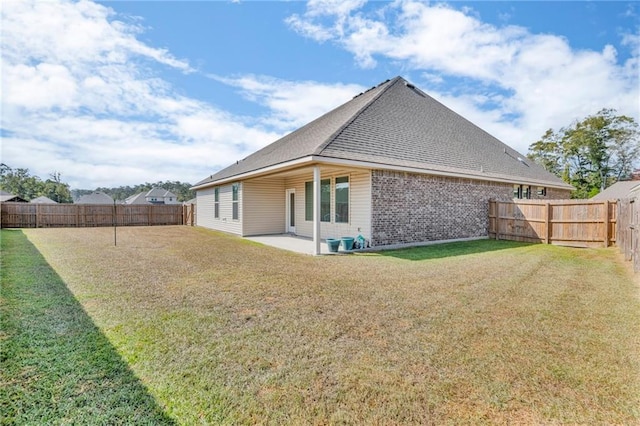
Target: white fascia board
(435, 172)
(370, 165)
(255, 173)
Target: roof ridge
(337, 133)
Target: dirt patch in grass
(222, 330)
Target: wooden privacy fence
(27, 215)
(189, 214)
(577, 223)
(629, 230)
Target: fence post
(606, 223)
(496, 213)
(547, 223)
(492, 220)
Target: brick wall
(550, 193)
(556, 194)
(408, 208)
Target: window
(325, 200)
(522, 191)
(234, 205)
(517, 191)
(342, 199)
(216, 203)
(542, 191)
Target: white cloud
(80, 97)
(292, 104)
(336, 9)
(543, 81)
(314, 31)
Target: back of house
(392, 165)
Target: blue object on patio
(347, 243)
(333, 244)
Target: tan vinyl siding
(204, 208)
(359, 204)
(225, 222)
(264, 206)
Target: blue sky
(120, 93)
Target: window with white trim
(342, 199)
(325, 200)
(235, 212)
(216, 203)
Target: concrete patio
(305, 245)
(292, 243)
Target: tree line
(591, 154)
(181, 189)
(21, 183)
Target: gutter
(317, 159)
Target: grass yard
(186, 325)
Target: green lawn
(57, 367)
(188, 325)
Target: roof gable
(396, 124)
(160, 192)
(43, 200)
(95, 198)
(5, 197)
(138, 198)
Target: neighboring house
(6, 197)
(392, 164)
(43, 200)
(95, 198)
(161, 196)
(621, 189)
(137, 199)
(153, 196)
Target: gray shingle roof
(95, 198)
(138, 198)
(396, 124)
(160, 192)
(617, 190)
(43, 200)
(5, 197)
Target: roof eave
(437, 172)
(305, 161)
(256, 173)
